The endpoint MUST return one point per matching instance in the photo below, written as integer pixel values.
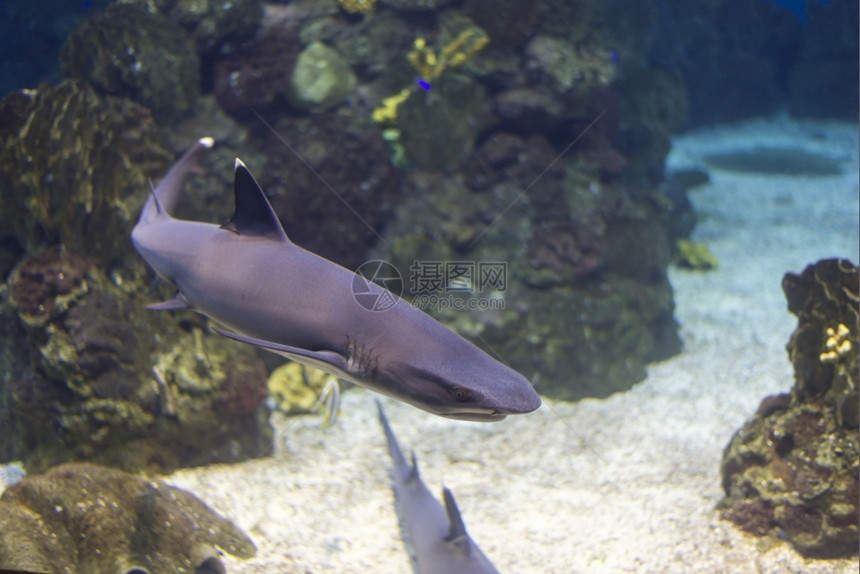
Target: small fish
(329, 401)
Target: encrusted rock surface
(72, 167)
(90, 519)
(130, 52)
(794, 468)
(83, 379)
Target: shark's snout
(526, 403)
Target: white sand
(533, 495)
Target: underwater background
(648, 208)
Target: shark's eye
(460, 394)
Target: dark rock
(755, 516)
(81, 518)
(486, 165)
(795, 465)
(44, 278)
(526, 111)
(672, 197)
(333, 172)
(569, 249)
(586, 302)
(438, 127)
(652, 104)
(81, 377)
(508, 22)
(126, 51)
(773, 403)
(257, 71)
(74, 169)
(212, 24)
(415, 5)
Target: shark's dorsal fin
(456, 527)
(254, 215)
(414, 476)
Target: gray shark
(438, 535)
(262, 289)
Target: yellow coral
(358, 6)
(387, 112)
(468, 43)
(838, 344)
(296, 388)
(692, 255)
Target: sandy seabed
(624, 484)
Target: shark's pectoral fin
(329, 361)
(177, 303)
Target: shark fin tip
(177, 303)
(457, 528)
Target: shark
(438, 535)
(262, 289)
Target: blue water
(798, 7)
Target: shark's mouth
(477, 416)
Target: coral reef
(257, 72)
(508, 22)
(416, 5)
(567, 66)
(48, 280)
(437, 129)
(333, 171)
(321, 79)
(211, 24)
(587, 303)
(72, 166)
(86, 518)
(457, 52)
(78, 382)
(358, 6)
(693, 255)
(295, 388)
(794, 468)
(542, 148)
(157, 65)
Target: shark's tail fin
(164, 197)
